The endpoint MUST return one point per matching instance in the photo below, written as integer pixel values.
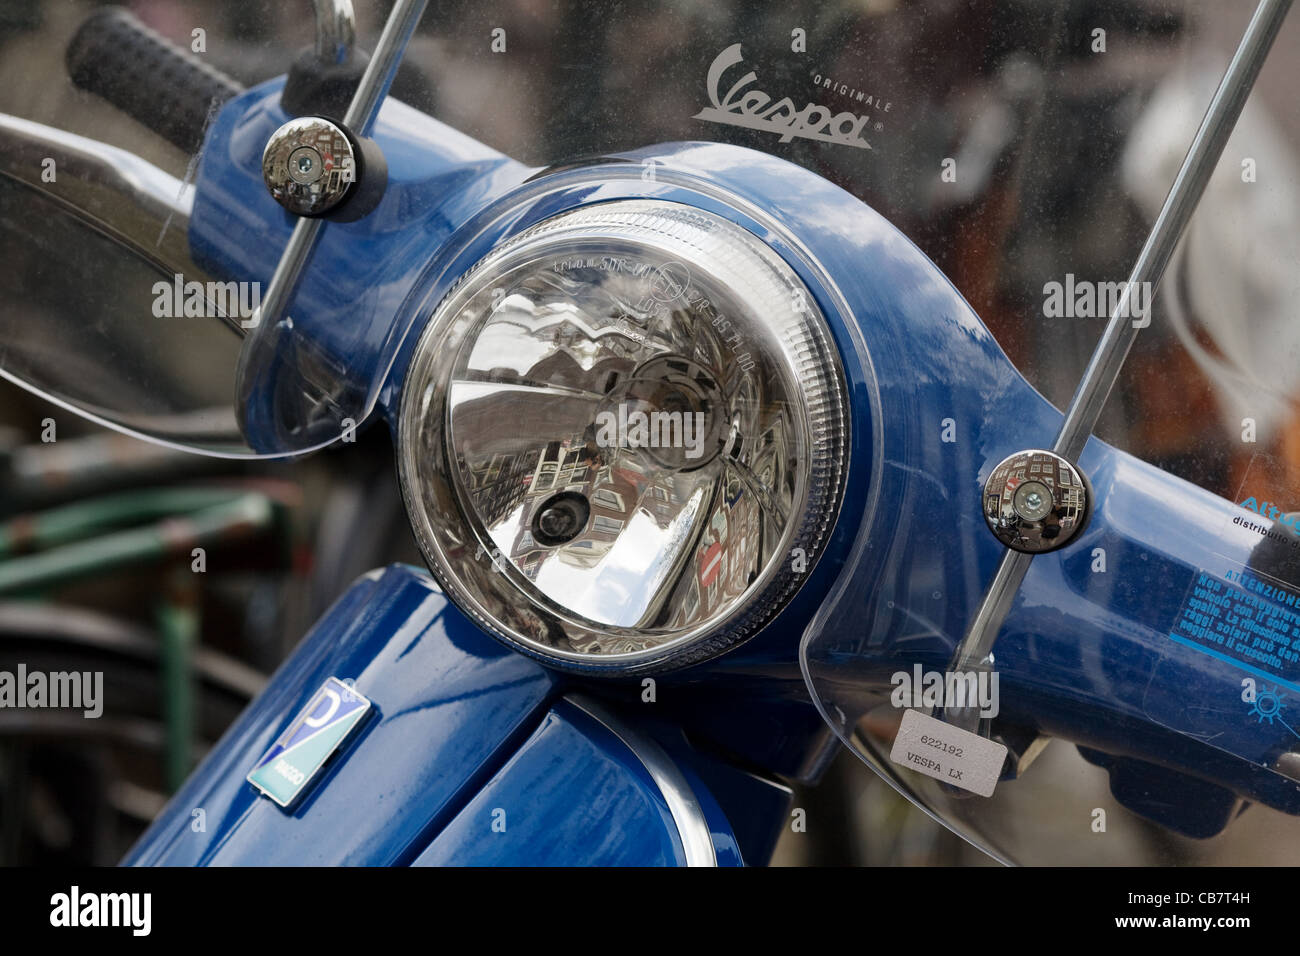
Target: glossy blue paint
(1086, 655)
(754, 808)
(1082, 656)
(1146, 697)
(455, 716)
(573, 794)
(449, 706)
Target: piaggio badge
(288, 767)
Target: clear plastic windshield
(104, 307)
(101, 309)
(1128, 697)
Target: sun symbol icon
(1268, 704)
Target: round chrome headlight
(623, 437)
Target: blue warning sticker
(1247, 620)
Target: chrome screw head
(1035, 501)
(305, 165)
(309, 166)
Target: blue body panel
(572, 795)
(447, 701)
(456, 717)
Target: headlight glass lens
(623, 437)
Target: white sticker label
(948, 753)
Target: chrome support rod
(360, 118)
(1201, 159)
(336, 30)
(975, 651)
(288, 272)
(381, 69)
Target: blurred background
(1063, 143)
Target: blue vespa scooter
(678, 449)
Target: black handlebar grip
(118, 58)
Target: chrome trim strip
(688, 815)
(122, 192)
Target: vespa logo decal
(332, 713)
(750, 109)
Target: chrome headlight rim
(462, 560)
